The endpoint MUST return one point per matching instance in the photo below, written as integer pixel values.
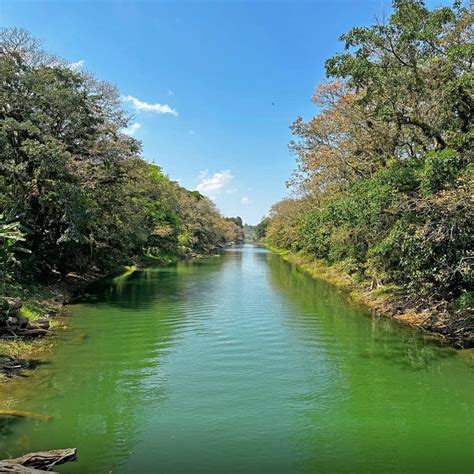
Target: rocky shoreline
(27, 336)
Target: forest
(143, 329)
(383, 187)
(75, 191)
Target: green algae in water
(243, 364)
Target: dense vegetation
(75, 192)
(384, 183)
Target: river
(242, 363)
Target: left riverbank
(32, 318)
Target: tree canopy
(74, 188)
(384, 181)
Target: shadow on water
(389, 397)
(98, 391)
(5, 426)
(153, 285)
(367, 335)
(110, 374)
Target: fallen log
(40, 461)
(26, 414)
(10, 366)
(39, 324)
(17, 332)
(17, 468)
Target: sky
(212, 86)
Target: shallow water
(242, 363)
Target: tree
(415, 71)
(386, 165)
(341, 143)
(73, 178)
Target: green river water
(242, 363)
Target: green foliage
(393, 207)
(10, 237)
(77, 183)
(260, 230)
(466, 300)
(440, 170)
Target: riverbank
(437, 317)
(39, 305)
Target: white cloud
(131, 129)
(77, 65)
(141, 106)
(213, 185)
(246, 201)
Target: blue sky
(233, 75)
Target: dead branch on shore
(38, 462)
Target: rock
(22, 321)
(14, 304)
(10, 310)
(18, 321)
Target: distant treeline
(75, 192)
(384, 182)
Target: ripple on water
(244, 364)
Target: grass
(37, 300)
(24, 349)
(159, 257)
(31, 312)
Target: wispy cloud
(141, 106)
(246, 201)
(77, 65)
(191, 132)
(213, 185)
(131, 129)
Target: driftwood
(10, 365)
(16, 332)
(39, 324)
(25, 414)
(38, 462)
(6, 466)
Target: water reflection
(241, 363)
(389, 385)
